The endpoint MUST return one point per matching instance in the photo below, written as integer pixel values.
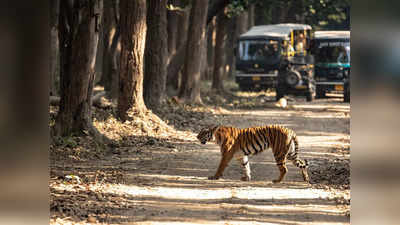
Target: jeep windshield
(259, 50)
(333, 54)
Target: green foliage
(178, 5)
(321, 14)
(236, 7)
(328, 14)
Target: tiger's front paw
(276, 181)
(213, 178)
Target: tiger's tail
(293, 156)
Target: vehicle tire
(293, 78)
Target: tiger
(242, 143)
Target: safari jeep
(276, 56)
(332, 69)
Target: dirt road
(164, 182)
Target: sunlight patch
(223, 193)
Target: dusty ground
(156, 173)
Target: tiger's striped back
(257, 139)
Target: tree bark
(203, 58)
(133, 37)
(110, 40)
(232, 41)
(190, 88)
(251, 15)
(220, 56)
(54, 49)
(172, 28)
(211, 35)
(242, 23)
(79, 35)
(177, 60)
(156, 53)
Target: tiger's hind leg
(245, 165)
(280, 159)
(303, 168)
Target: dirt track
(166, 183)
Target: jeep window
(258, 50)
(333, 54)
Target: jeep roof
(279, 31)
(342, 34)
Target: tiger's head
(206, 134)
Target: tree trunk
(79, 35)
(232, 41)
(133, 37)
(110, 40)
(156, 53)
(203, 58)
(190, 88)
(283, 12)
(251, 15)
(211, 35)
(177, 60)
(220, 56)
(172, 28)
(54, 49)
(242, 23)
(296, 12)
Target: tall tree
(211, 36)
(242, 23)
(177, 59)
(190, 88)
(79, 35)
(110, 37)
(133, 37)
(54, 49)
(156, 53)
(230, 54)
(172, 28)
(251, 13)
(220, 56)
